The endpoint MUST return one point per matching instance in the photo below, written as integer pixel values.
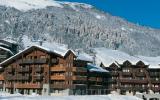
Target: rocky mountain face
(80, 26)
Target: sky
(142, 12)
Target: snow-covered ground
(86, 97)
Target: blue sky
(143, 12)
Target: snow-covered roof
(2, 44)
(7, 50)
(60, 53)
(95, 68)
(108, 56)
(152, 61)
(85, 57)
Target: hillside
(80, 26)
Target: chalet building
(7, 49)
(48, 72)
(97, 80)
(128, 78)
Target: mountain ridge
(80, 28)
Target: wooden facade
(132, 78)
(38, 70)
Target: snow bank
(86, 97)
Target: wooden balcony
(1, 77)
(40, 61)
(79, 69)
(92, 79)
(112, 80)
(38, 77)
(57, 77)
(125, 88)
(114, 73)
(33, 61)
(26, 61)
(154, 74)
(82, 78)
(28, 86)
(8, 85)
(126, 73)
(138, 88)
(20, 77)
(79, 86)
(140, 74)
(58, 69)
(140, 81)
(38, 69)
(23, 69)
(10, 77)
(8, 69)
(58, 86)
(134, 81)
(154, 81)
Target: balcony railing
(57, 77)
(114, 73)
(82, 78)
(23, 69)
(154, 81)
(58, 69)
(136, 81)
(38, 77)
(28, 86)
(8, 69)
(20, 77)
(38, 69)
(79, 69)
(40, 61)
(126, 73)
(125, 88)
(154, 74)
(140, 74)
(33, 61)
(137, 88)
(58, 86)
(1, 77)
(92, 79)
(10, 77)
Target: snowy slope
(25, 5)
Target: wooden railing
(79, 69)
(27, 86)
(92, 79)
(84, 78)
(57, 69)
(135, 81)
(57, 77)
